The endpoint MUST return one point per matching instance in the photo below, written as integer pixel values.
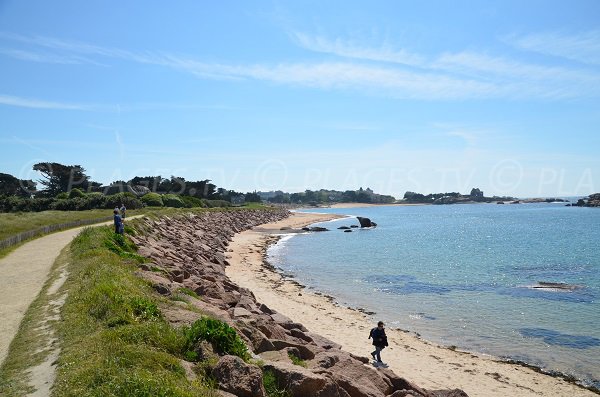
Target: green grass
(297, 360)
(188, 291)
(115, 340)
(223, 338)
(272, 387)
(18, 222)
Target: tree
(151, 182)
(11, 186)
(200, 189)
(252, 197)
(349, 196)
(60, 178)
(417, 197)
(280, 198)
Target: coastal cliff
(189, 253)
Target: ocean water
(462, 275)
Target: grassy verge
(115, 341)
(113, 338)
(18, 222)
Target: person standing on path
(122, 209)
(379, 341)
(119, 228)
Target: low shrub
(223, 338)
(172, 200)
(192, 202)
(76, 193)
(63, 205)
(86, 202)
(130, 200)
(62, 196)
(152, 200)
(21, 204)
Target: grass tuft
(272, 386)
(297, 360)
(223, 338)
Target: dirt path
(23, 272)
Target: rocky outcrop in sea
(593, 200)
(188, 252)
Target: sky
(427, 96)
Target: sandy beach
(426, 364)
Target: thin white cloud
(484, 75)
(47, 58)
(70, 46)
(582, 47)
(376, 80)
(535, 80)
(10, 100)
(399, 74)
(347, 49)
(482, 65)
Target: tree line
(323, 196)
(68, 187)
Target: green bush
(223, 338)
(95, 200)
(172, 200)
(63, 205)
(192, 202)
(62, 196)
(85, 202)
(76, 193)
(152, 200)
(20, 204)
(130, 200)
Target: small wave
(556, 287)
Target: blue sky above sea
(396, 96)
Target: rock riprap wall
(189, 252)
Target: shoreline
(424, 363)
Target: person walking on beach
(379, 341)
(119, 228)
(122, 209)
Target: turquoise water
(462, 275)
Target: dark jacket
(379, 337)
(118, 224)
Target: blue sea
(462, 275)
